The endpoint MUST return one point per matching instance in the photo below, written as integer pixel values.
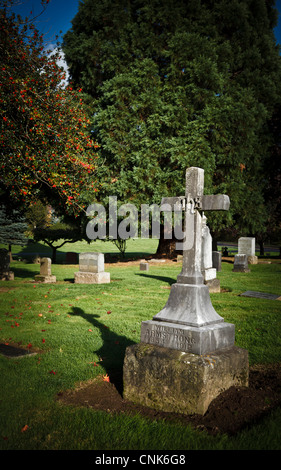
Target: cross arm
(215, 202)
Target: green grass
(72, 320)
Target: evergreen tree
(177, 84)
(12, 227)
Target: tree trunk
(10, 253)
(167, 248)
(54, 254)
(261, 243)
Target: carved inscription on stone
(160, 335)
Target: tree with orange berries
(46, 149)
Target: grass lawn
(81, 332)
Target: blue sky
(59, 13)
(57, 16)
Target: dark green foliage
(12, 227)
(57, 235)
(179, 84)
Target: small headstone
(91, 269)
(247, 246)
(71, 258)
(144, 266)
(216, 259)
(5, 273)
(45, 271)
(241, 264)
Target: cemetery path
(233, 410)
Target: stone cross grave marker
(188, 322)
(186, 356)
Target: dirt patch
(232, 411)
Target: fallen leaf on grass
(52, 372)
(25, 428)
(108, 312)
(105, 378)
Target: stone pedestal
(180, 382)
(253, 259)
(91, 278)
(91, 269)
(45, 272)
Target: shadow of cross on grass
(112, 351)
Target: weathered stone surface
(241, 264)
(209, 274)
(213, 285)
(215, 202)
(144, 266)
(246, 246)
(45, 271)
(91, 262)
(253, 260)
(187, 338)
(91, 278)
(189, 305)
(216, 260)
(260, 295)
(175, 381)
(45, 267)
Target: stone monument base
(253, 260)
(46, 279)
(187, 338)
(213, 285)
(91, 278)
(179, 382)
